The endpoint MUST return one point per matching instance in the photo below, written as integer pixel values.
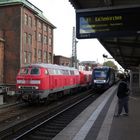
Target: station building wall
(27, 35)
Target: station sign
(109, 22)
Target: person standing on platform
(123, 96)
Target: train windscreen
(31, 71)
(23, 71)
(35, 71)
(100, 74)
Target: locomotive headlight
(20, 81)
(36, 87)
(35, 82)
(99, 81)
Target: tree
(110, 64)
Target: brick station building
(26, 36)
(1, 56)
(62, 60)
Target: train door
(50, 78)
(55, 79)
(46, 81)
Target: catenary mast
(74, 49)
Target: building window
(35, 54)
(39, 37)
(45, 28)
(25, 57)
(25, 19)
(50, 41)
(39, 55)
(45, 56)
(45, 39)
(50, 58)
(34, 22)
(40, 25)
(35, 34)
(50, 30)
(25, 38)
(30, 21)
(29, 57)
(30, 39)
(67, 64)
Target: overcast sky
(62, 15)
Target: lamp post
(106, 56)
(76, 65)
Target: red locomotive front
(37, 81)
(31, 82)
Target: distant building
(61, 60)
(88, 65)
(27, 37)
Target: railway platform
(97, 121)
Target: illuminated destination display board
(107, 23)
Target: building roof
(53, 66)
(29, 5)
(62, 56)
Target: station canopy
(124, 47)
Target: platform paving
(99, 123)
(81, 125)
(127, 128)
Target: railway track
(25, 121)
(50, 127)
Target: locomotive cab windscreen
(28, 76)
(100, 74)
(28, 70)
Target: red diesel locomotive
(38, 82)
